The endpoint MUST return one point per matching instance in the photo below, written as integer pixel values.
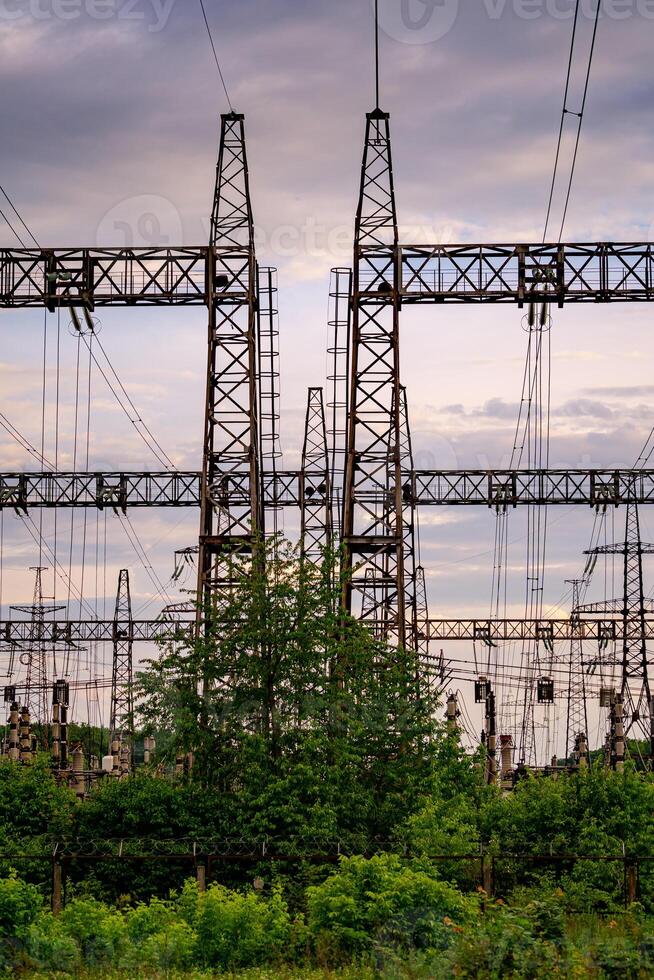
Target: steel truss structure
(230, 523)
(601, 272)
(316, 528)
(357, 480)
(19, 632)
(635, 689)
(577, 713)
(282, 488)
(373, 531)
(121, 721)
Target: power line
(376, 54)
(581, 117)
(566, 111)
(160, 455)
(3, 215)
(563, 115)
(215, 55)
(17, 213)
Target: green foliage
(379, 902)
(20, 905)
(31, 802)
(320, 735)
(236, 930)
(50, 947)
(100, 932)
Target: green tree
(299, 718)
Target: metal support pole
(57, 882)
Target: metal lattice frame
(577, 714)
(281, 488)
(338, 353)
(601, 272)
(75, 632)
(268, 390)
(409, 534)
(35, 657)
(121, 723)
(372, 507)
(315, 486)
(229, 522)
(635, 683)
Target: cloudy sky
(109, 127)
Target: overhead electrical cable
(215, 57)
(18, 215)
(581, 118)
(146, 435)
(11, 228)
(563, 115)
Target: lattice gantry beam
(493, 631)
(504, 488)
(424, 488)
(601, 272)
(79, 632)
(513, 488)
(23, 491)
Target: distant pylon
(36, 657)
(635, 694)
(121, 722)
(315, 489)
(577, 716)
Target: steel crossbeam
(424, 488)
(601, 272)
(483, 631)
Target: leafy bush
(506, 943)
(50, 947)
(20, 905)
(148, 919)
(100, 931)
(382, 901)
(174, 948)
(236, 930)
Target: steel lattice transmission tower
(35, 658)
(635, 684)
(231, 501)
(121, 723)
(315, 485)
(577, 714)
(373, 536)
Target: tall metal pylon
(373, 537)
(35, 658)
(577, 715)
(231, 505)
(121, 719)
(315, 485)
(635, 682)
